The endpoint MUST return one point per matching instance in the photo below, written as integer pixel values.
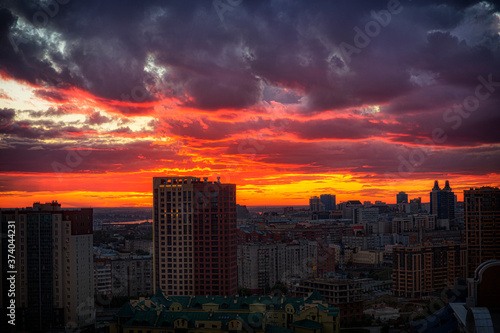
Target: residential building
(261, 265)
(132, 275)
(482, 226)
(257, 266)
(367, 242)
(369, 214)
(102, 276)
(350, 210)
(315, 204)
(329, 201)
(415, 205)
(419, 271)
(442, 202)
(347, 295)
(410, 223)
(402, 197)
(143, 245)
(279, 314)
(368, 258)
(194, 235)
(54, 264)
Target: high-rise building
(415, 205)
(328, 201)
(102, 276)
(442, 202)
(351, 210)
(422, 270)
(132, 276)
(194, 235)
(54, 264)
(315, 204)
(401, 197)
(482, 226)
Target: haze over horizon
(285, 99)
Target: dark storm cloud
(213, 63)
(374, 157)
(89, 156)
(52, 96)
(40, 129)
(50, 112)
(95, 118)
(6, 117)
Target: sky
(286, 99)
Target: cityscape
(257, 166)
(198, 260)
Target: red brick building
(194, 235)
(482, 226)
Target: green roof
(167, 318)
(316, 296)
(307, 323)
(127, 310)
(230, 308)
(143, 318)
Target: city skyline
(304, 202)
(287, 101)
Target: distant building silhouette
(328, 201)
(401, 197)
(315, 204)
(415, 205)
(442, 202)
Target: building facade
(368, 258)
(420, 222)
(442, 202)
(212, 314)
(54, 264)
(401, 197)
(132, 276)
(347, 295)
(419, 271)
(482, 226)
(102, 277)
(261, 265)
(329, 201)
(194, 235)
(315, 204)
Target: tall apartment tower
(482, 226)
(443, 201)
(315, 204)
(194, 236)
(401, 197)
(54, 265)
(419, 271)
(328, 201)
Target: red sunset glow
(90, 110)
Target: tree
(281, 287)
